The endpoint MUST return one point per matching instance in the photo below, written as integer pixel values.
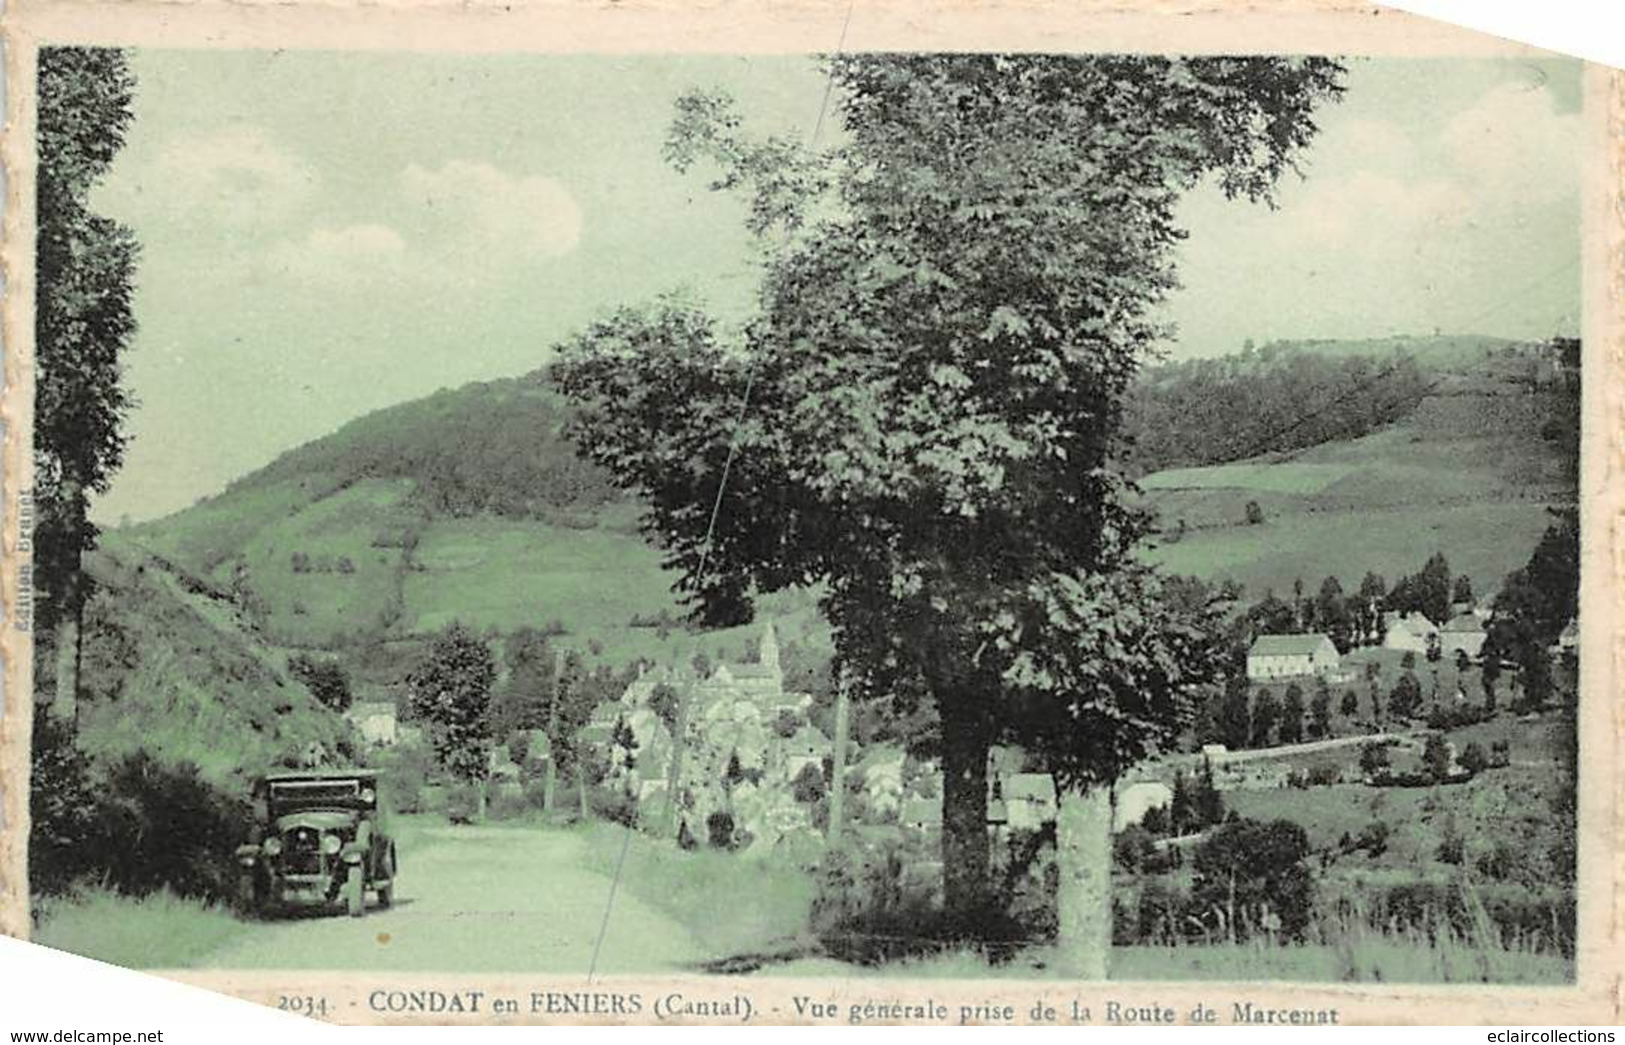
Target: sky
(324, 235)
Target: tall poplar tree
(84, 280)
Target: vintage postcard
(834, 513)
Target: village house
(1568, 640)
(734, 758)
(1411, 633)
(808, 747)
(1288, 656)
(923, 815)
(1463, 633)
(1133, 801)
(881, 770)
(376, 721)
(1026, 800)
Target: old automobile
(320, 837)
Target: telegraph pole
(550, 781)
(837, 783)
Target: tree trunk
(550, 781)
(1083, 901)
(65, 696)
(965, 743)
(479, 790)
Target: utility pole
(550, 781)
(837, 784)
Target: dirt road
(478, 900)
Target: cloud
(340, 257)
(232, 180)
(459, 225)
(476, 207)
(1514, 145)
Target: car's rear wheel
(355, 898)
(386, 892)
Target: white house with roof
(808, 747)
(375, 720)
(1411, 633)
(1026, 800)
(1133, 801)
(1290, 656)
(1463, 633)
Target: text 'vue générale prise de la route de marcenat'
(735, 1007)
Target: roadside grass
(733, 904)
(159, 931)
(1360, 955)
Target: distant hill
(471, 504)
(1290, 395)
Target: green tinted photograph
(856, 515)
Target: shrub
(462, 803)
(1436, 757)
(808, 786)
(719, 830)
(1501, 863)
(326, 679)
(1373, 758)
(1373, 838)
(508, 803)
(165, 826)
(407, 771)
(1446, 718)
(613, 804)
(1132, 848)
(1252, 876)
(1159, 913)
(1325, 774)
(1473, 759)
(879, 903)
(62, 808)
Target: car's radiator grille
(303, 852)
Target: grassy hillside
(1468, 474)
(471, 505)
(172, 668)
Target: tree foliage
(451, 691)
(84, 279)
(327, 680)
(1251, 876)
(924, 414)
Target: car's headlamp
(272, 846)
(367, 796)
(331, 844)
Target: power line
(716, 510)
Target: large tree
(450, 690)
(923, 416)
(84, 276)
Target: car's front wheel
(355, 898)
